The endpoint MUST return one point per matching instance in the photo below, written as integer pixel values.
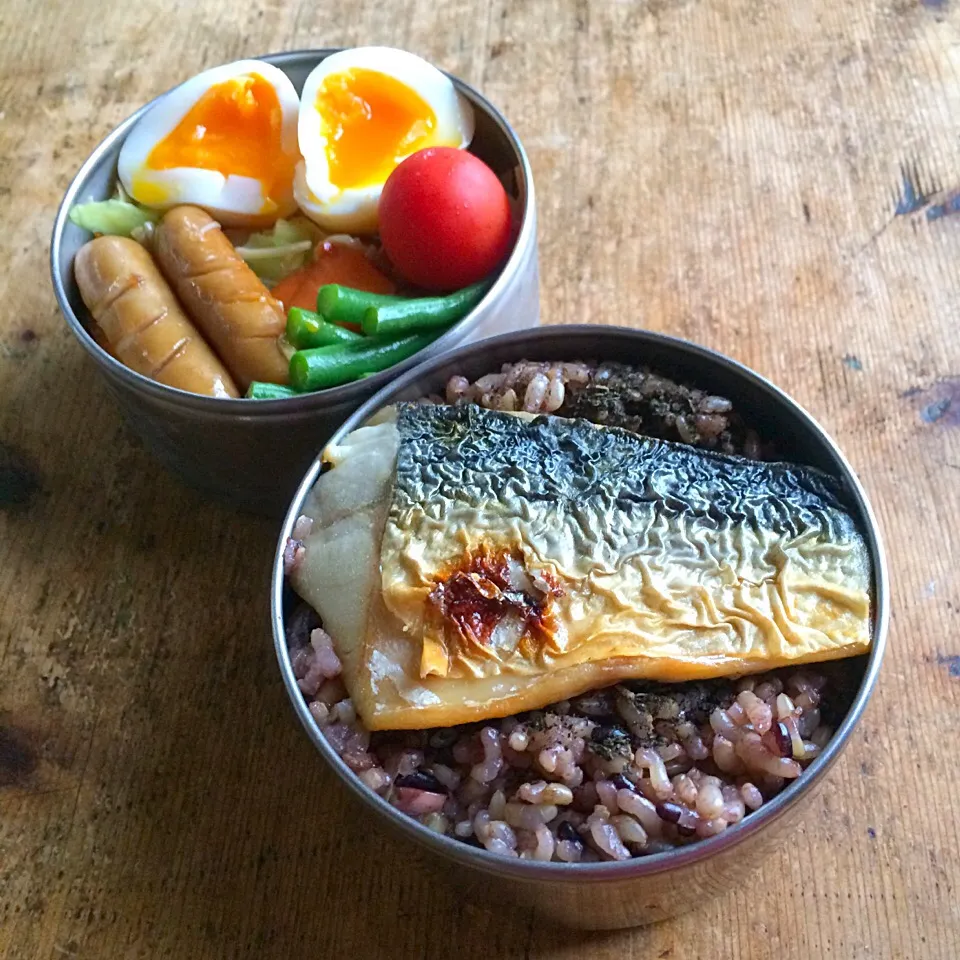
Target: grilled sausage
(138, 320)
(223, 295)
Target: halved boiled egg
(362, 111)
(225, 140)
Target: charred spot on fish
(487, 588)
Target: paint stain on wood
(852, 362)
(944, 208)
(19, 482)
(937, 404)
(951, 662)
(919, 192)
(913, 194)
(936, 411)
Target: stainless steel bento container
(252, 454)
(643, 890)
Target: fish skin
(487, 452)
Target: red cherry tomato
(444, 219)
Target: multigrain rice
(615, 773)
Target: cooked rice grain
(551, 785)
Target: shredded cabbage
(273, 254)
(117, 217)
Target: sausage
(137, 318)
(224, 296)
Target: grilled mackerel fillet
(472, 564)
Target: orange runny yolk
(371, 121)
(236, 129)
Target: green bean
(345, 305)
(325, 367)
(423, 313)
(306, 329)
(269, 391)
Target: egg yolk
(236, 129)
(371, 122)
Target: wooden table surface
(725, 170)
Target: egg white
(354, 209)
(234, 200)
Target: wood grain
(726, 170)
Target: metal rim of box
(530, 870)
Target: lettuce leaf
(116, 217)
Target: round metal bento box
(645, 889)
(253, 453)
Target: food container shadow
(252, 454)
(644, 889)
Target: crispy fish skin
(526, 560)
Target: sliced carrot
(333, 263)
